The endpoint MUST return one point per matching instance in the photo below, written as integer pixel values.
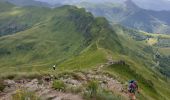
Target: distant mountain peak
(131, 5)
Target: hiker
(54, 67)
(132, 89)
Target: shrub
(24, 95)
(4, 51)
(59, 85)
(10, 76)
(2, 86)
(92, 88)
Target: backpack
(132, 87)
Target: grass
(86, 60)
(165, 51)
(94, 92)
(59, 85)
(2, 86)
(103, 95)
(92, 88)
(152, 41)
(24, 95)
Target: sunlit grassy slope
(73, 39)
(61, 33)
(15, 19)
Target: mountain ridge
(133, 16)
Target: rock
(79, 76)
(89, 76)
(9, 82)
(35, 81)
(73, 82)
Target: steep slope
(136, 51)
(156, 44)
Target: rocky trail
(43, 87)
(46, 92)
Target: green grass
(59, 85)
(94, 92)
(86, 60)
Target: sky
(147, 4)
(55, 1)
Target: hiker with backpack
(54, 67)
(132, 89)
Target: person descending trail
(54, 67)
(132, 89)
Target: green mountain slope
(61, 34)
(140, 55)
(15, 19)
(74, 39)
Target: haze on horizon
(146, 4)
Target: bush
(92, 88)
(24, 95)
(59, 85)
(2, 86)
(4, 51)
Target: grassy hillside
(74, 40)
(15, 19)
(62, 33)
(136, 51)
